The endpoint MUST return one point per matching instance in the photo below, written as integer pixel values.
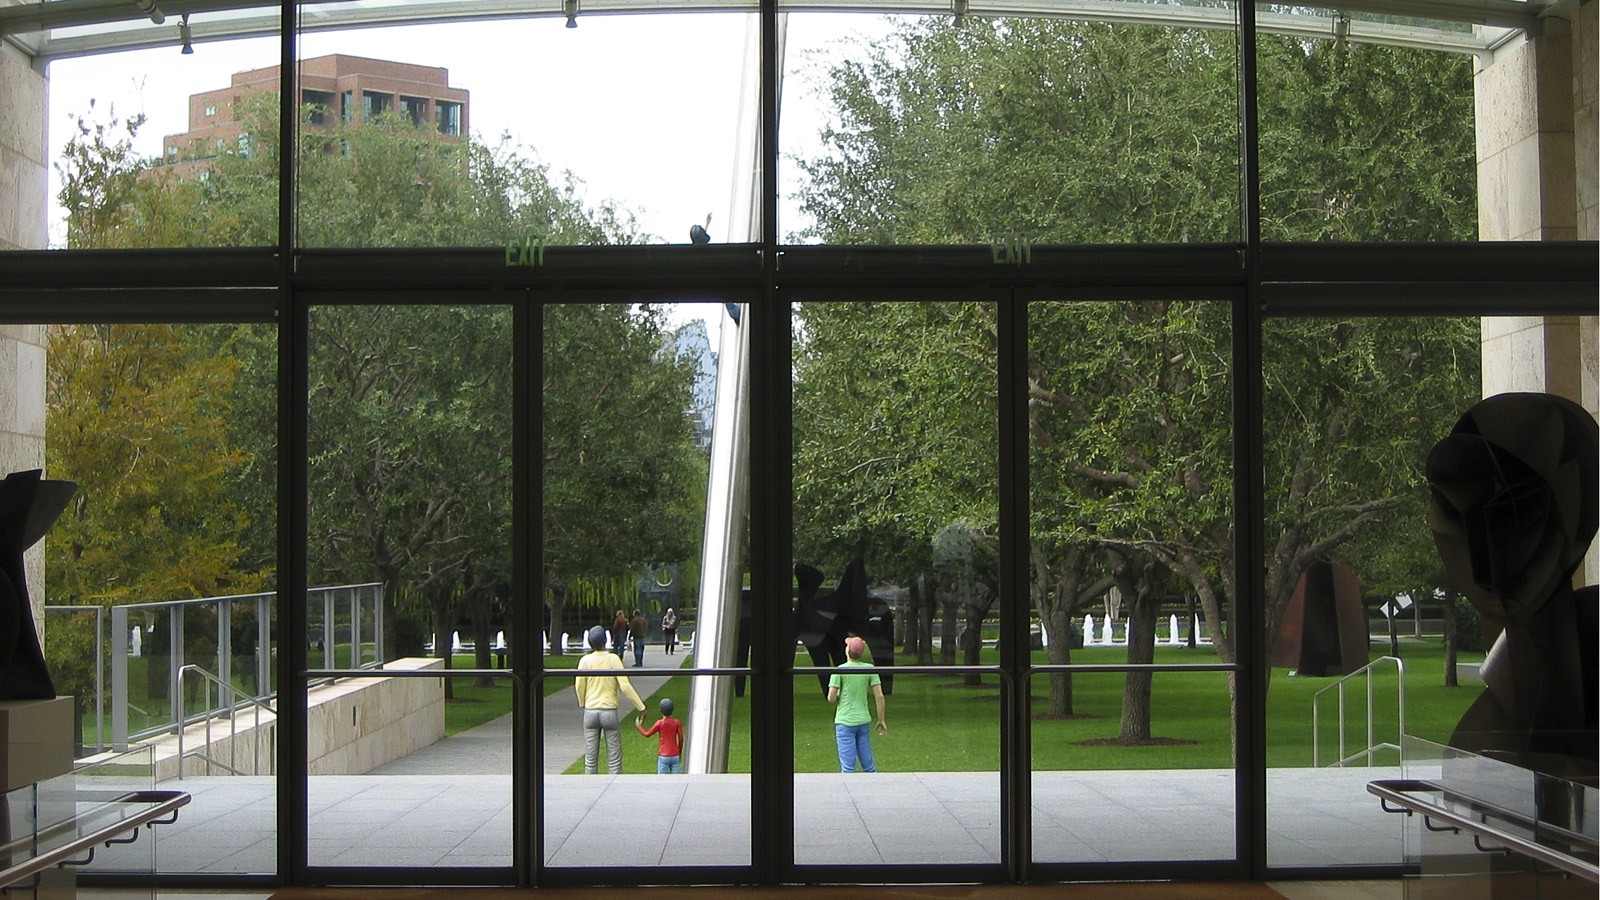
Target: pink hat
(854, 647)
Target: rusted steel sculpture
(1324, 630)
(29, 505)
(1513, 509)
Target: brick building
(340, 87)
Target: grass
(938, 724)
(471, 706)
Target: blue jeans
(855, 742)
(669, 765)
(638, 652)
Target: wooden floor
(1075, 891)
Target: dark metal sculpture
(822, 622)
(1514, 507)
(1324, 630)
(29, 505)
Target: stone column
(24, 163)
(1536, 103)
(22, 386)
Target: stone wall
(353, 727)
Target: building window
(448, 117)
(211, 109)
(415, 109)
(318, 104)
(374, 105)
(346, 106)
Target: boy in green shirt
(852, 724)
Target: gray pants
(594, 720)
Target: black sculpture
(698, 233)
(822, 623)
(29, 505)
(1514, 507)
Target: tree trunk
(947, 631)
(1059, 626)
(557, 603)
(924, 608)
(905, 620)
(1141, 651)
(439, 607)
(478, 608)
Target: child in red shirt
(669, 753)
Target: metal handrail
(1372, 744)
(208, 679)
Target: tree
(947, 134)
(410, 413)
(624, 475)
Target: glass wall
(410, 490)
(157, 148)
(158, 576)
(1130, 477)
(974, 129)
(481, 134)
(1365, 137)
(896, 556)
(629, 397)
(1352, 408)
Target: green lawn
(938, 724)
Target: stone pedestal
(35, 740)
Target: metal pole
(119, 680)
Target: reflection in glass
(1352, 408)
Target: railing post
(224, 657)
(263, 645)
(328, 656)
(355, 628)
(377, 617)
(119, 679)
(99, 679)
(175, 678)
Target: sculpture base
(35, 740)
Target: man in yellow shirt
(598, 696)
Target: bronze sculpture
(1513, 509)
(29, 505)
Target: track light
(570, 7)
(186, 35)
(1341, 28)
(149, 8)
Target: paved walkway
(486, 749)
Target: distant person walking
(619, 633)
(669, 630)
(852, 723)
(636, 630)
(669, 746)
(597, 695)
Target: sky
(644, 109)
